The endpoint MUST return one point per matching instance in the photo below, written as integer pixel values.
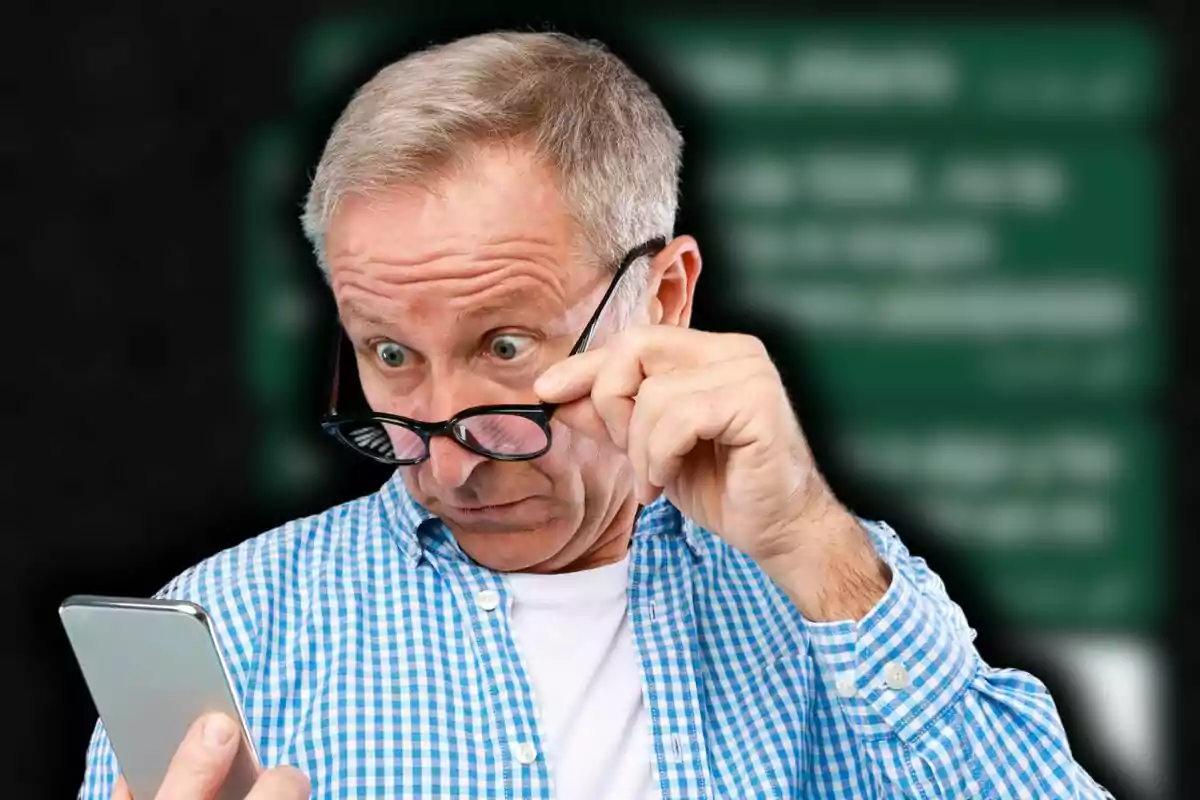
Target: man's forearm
(834, 573)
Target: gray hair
(612, 144)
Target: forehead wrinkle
(519, 293)
(465, 266)
(518, 290)
(359, 251)
(354, 255)
(500, 242)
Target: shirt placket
(518, 752)
(664, 625)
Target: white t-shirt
(575, 640)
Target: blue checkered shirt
(355, 642)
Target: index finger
(570, 379)
(646, 350)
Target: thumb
(202, 760)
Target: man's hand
(704, 418)
(203, 760)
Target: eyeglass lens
(487, 434)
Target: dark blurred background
(960, 234)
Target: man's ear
(672, 285)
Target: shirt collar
(661, 518)
(404, 517)
(406, 520)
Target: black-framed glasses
(514, 432)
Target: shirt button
(524, 752)
(488, 599)
(895, 675)
(846, 687)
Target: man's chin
(509, 550)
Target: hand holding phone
(159, 681)
(202, 763)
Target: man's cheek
(599, 464)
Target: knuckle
(636, 341)
(750, 344)
(761, 388)
(605, 385)
(636, 334)
(653, 389)
(662, 440)
(624, 341)
(761, 369)
(608, 380)
(609, 406)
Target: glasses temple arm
(337, 372)
(650, 248)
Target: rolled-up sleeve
(926, 717)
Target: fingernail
(218, 730)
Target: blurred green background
(958, 228)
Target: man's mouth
(485, 509)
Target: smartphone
(153, 667)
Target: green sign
(803, 73)
(957, 265)
(1056, 516)
(956, 224)
(280, 311)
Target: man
(606, 565)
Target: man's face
(461, 297)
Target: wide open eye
(391, 354)
(508, 346)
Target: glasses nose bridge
(431, 430)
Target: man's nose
(450, 462)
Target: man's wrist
(833, 573)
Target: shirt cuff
(898, 668)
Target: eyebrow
(357, 311)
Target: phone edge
(191, 609)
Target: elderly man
(606, 565)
